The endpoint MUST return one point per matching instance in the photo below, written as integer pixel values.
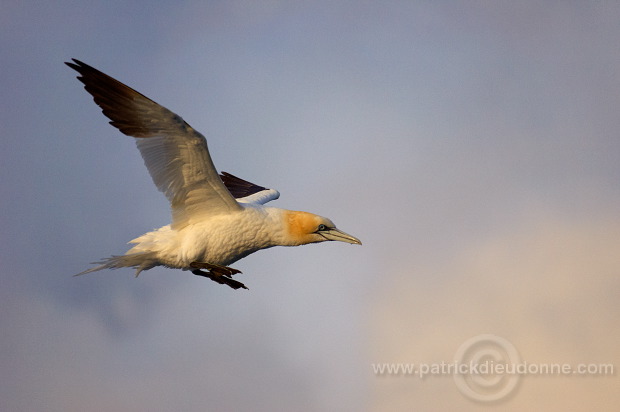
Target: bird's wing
(176, 155)
(246, 192)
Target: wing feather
(176, 156)
(246, 192)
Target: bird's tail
(139, 261)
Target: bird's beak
(339, 235)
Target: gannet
(216, 219)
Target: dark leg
(220, 270)
(220, 278)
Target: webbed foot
(217, 273)
(218, 269)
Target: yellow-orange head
(303, 228)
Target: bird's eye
(321, 228)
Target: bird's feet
(217, 269)
(217, 273)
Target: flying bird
(216, 219)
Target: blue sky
(472, 146)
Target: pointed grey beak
(339, 235)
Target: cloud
(471, 146)
(548, 285)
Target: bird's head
(304, 228)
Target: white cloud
(546, 284)
(437, 134)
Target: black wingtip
(81, 67)
(238, 187)
(75, 64)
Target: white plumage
(216, 219)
